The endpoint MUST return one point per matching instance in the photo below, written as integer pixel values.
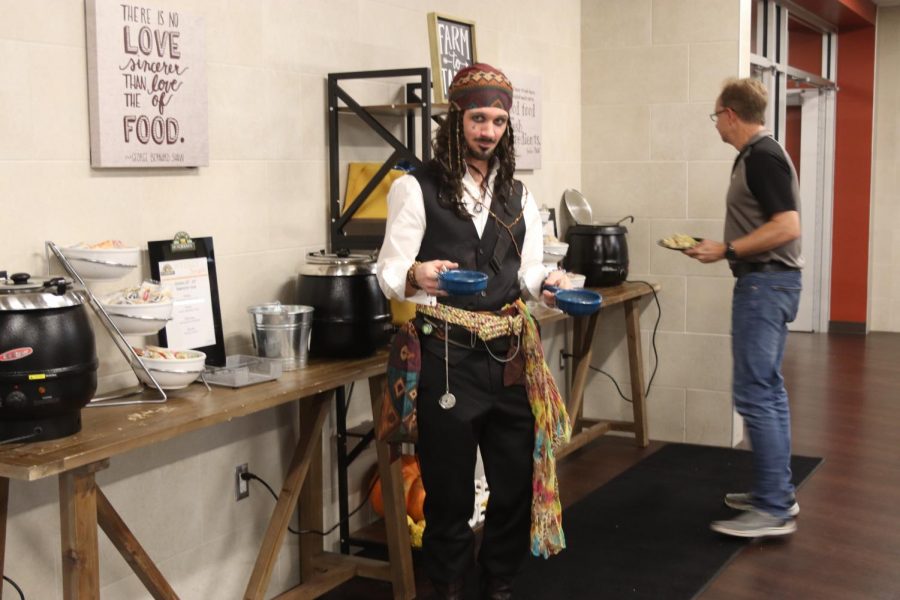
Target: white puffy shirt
(406, 228)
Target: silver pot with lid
(48, 358)
(18, 292)
(351, 316)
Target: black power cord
(18, 589)
(652, 343)
(38, 430)
(248, 476)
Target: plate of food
(679, 241)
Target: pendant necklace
(485, 191)
(447, 400)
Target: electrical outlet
(562, 360)
(241, 485)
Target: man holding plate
(762, 246)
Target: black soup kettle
(599, 252)
(352, 317)
(48, 358)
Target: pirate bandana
(480, 86)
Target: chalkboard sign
(452, 48)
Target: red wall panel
(852, 175)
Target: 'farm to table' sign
(147, 86)
(452, 43)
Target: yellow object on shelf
(358, 176)
(415, 531)
(402, 311)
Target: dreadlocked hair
(448, 166)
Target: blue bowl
(462, 283)
(578, 303)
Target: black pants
(499, 420)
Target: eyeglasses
(714, 117)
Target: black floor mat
(646, 534)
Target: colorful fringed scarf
(551, 422)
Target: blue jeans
(762, 306)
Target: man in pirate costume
(483, 381)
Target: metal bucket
(282, 331)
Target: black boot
(496, 588)
(449, 591)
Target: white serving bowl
(174, 373)
(576, 280)
(139, 319)
(555, 252)
(102, 263)
(545, 215)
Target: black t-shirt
(769, 177)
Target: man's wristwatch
(730, 254)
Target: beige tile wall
(884, 308)
(651, 71)
(262, 198)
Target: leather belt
(462, 337)
(739, 269)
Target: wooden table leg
(636, 366)
(131, 550)
(4, 509)
(78, 524)
(311, 503)
(399, 552)
(582, 352)
(313, 413)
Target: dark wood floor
(845, 400)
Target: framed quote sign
(146, 86)
(526, 119)
(452, 48)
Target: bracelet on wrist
(411, 276)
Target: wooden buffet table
(111, 431)
(584, 430)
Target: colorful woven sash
(551, 422)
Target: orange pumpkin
(413, 489)
(415, 500)
(375, 496)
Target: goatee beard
(479, 155)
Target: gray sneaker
(754, 523)
(744, 501)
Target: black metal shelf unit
(345, 234)
(366, 234)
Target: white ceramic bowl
(576, 280)
(102, 263)
(139, 319)
(174, 373)
(553, 253)
(545, 215)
